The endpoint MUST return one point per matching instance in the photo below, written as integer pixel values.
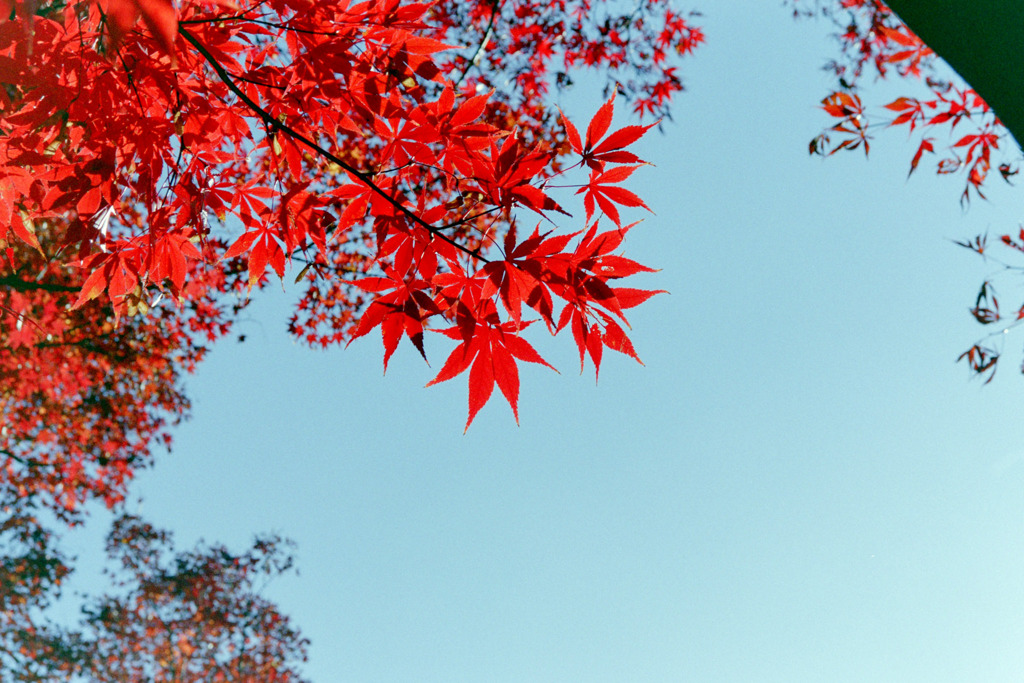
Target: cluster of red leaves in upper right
(873, 40)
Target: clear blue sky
(801, 484)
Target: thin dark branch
(271, 122)
(467, 219)
(474, 60)
(286, 27)
(27, 462)
(20, 285)
(215, 20)
(255, 82)
(273, 24)
(88, 345)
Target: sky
(799, 484)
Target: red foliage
(873, 39)
(158, 159)
(85, 397)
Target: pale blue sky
(801, 484)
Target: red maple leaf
(401, 306)
(596, 152)
(159, 16)
(489, 349)
(600, 189)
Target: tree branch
(488, 33)
(270, 121)
(20, 285)
(27, 462)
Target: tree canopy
(161, 162)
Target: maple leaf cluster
(948, 120)
(160, 161)
(336, 136)
(85, 397)
(526, 49)
(874, 41)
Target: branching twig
(20, 285)
(363, 176)
(488, 33)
